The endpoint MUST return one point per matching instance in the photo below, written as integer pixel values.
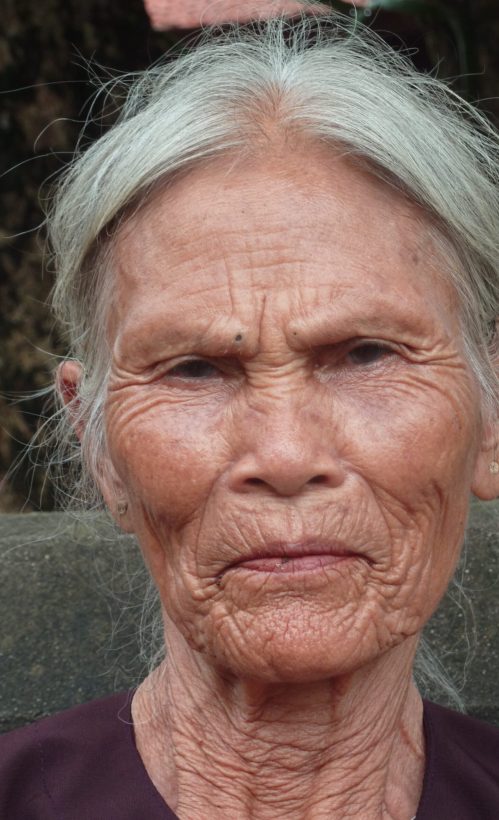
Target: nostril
(255, 481)
(285, 476)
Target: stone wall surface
(71, 613)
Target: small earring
(494, 465)
(122, 507)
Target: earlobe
(114, 495)
(485, 485)
(121, 515)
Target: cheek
(413, 448)
(168, 459)
(418, 438)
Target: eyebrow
(167, 334)
(384, 319)
(217, 335)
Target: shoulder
(76, 730)
(79, 763)
(467, 737)
(462, 763)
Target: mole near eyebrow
(164, 337)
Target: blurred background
(49, 50)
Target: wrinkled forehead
(313, 222)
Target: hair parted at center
(331, 82)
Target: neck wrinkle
(351, 747)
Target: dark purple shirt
(83, 764)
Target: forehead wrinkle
(409, 309)
(183, 248)
(250, 254)
(267, 315)
(264, 325)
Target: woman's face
(290, 415)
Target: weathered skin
(288, 695)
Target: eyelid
(221, 364)
(225, 365)
(187, 360)
(361, 342)
(338, 355)
(396, 348)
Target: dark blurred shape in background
(45, 46)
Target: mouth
(296, 556)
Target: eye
(194, 369)
(369, 353)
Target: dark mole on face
(238, 337)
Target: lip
(295, 556)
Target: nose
(286, 458)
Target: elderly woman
(278, 273)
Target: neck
(344, 747)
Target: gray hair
(322, 78)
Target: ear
(68, 380)
(485, 484)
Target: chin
(287, 670)
(280, 658)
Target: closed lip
(299, 549)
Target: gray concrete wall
(70, 612)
